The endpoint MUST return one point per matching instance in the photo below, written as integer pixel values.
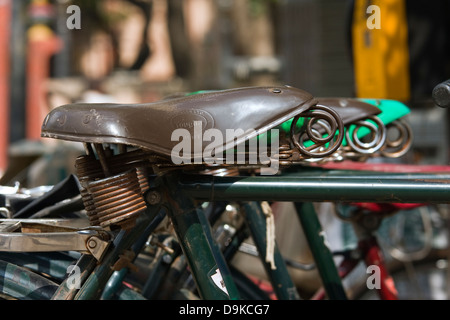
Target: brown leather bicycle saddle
(150, 125)
(350, 109)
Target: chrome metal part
(374, 140)
(51, 235)
(9, 226)
(45, 242)
(51, 223)
(97, 247)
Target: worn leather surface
(150, 125)
(350, 109)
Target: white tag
(218, 281)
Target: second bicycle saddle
(349, 110)
(150, 125)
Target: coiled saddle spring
(112, 187)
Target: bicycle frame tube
(370, 252)
(86, 263)
(115, 282)
(303, 190)
(205, 260)
(399, 173)
(279, 275)
(382, 188)
(321, 252)
(97, 280)
(159, 267)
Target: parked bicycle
(142, 190)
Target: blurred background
(54, 52)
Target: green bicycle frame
(184, 191)
(277, 273)
(307, 187)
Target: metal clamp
(42, 237)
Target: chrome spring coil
(377, 135)
(285, 152)
(397, 147)
(317, 119)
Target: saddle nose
(151, 125)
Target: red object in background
(374, 257)
(5, 30)
(386, 208)
(384, 167)
(38, 71)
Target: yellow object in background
(380, 49)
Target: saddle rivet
(276, 90)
